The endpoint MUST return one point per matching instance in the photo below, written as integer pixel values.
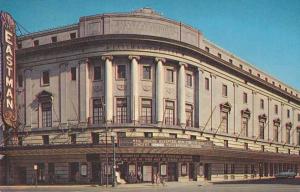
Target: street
(264, 185)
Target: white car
(286, 174)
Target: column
(63, 94)
(181, 94)
(198, 97)
(83, 105)
(159, 84)
(28, 98)
(134, 89)
(108, 95)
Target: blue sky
(265, 33)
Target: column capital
(136, 57)
(83, 61)
(157, 59)
(105, 57)
(183, 64)
(235, 84)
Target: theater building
(170, 101)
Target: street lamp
(35, 167)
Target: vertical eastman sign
(8, 70)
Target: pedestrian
(154, 179)
(157, 179)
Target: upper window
(241, 66)
(262, 104)
(36, 42)
(170, 76)
(258, 75)
(219, 55)
(250, 71)
(188, 80)
(207, 49)
(45, 139)
(98, 116)
(206, 83)
(121, 71)
(72, 35)
(230, 61)
(224, 122)
(288, 113)
(54, 39)
(47, 114)
(170, 113)
(148, 134)
(224, 90)
(73, 73)
(276, 109)
(189, 115)
(46, 78)
(245, 98)
(20, 80)
(19, 44)
(147, 72)
(97, 72)
(121, 110)
(146, 111)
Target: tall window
(170, 76)
(224, 90)
(288, 113)
(188, 80)
(73, 73)
(146, 72)
(97, 72)
(224, 122)
(262, 104)
(276, 109)
(189, 115)
(98, 116)
(121, 71)
(95, 138)
(288, 135)
(20, 80)
(244, 131)
(45, 139)
(146, 111)
(261, 129)
(276, 133)
(46, 78)
(206, 83)
(121, 110)
(245, 97)
(47, 114)
(170, 113)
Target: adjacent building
(170, 101)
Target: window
(276, 149)
(36, 43)
(288, 135)
(245, 97)
(98, 116)
(232, 170)
(230, 61)
(146, 72)
(241, 66)
(97, 73)
(288, 113)
(289, 151)
(262, 104)
(73, 138)
(148, 134)
(121, 134)
(121, 71)
(54, 39)
(170, 113)
(19, 44)
(246, 147)
(95, 138)
(276, 133)
(47, 114)
(279, 86)
(46, 78)
(224, 122)
(45, 139)
(146, 111)
(262, 130)
(206, 83)
(20, 141)
(273, 82)
(219, 55)
(207, 49)
(262, 148)
(189, 115)
(170, 76)
(298, 117)
(193, 137)
(276, 109)
(225, 168)
(173, 135)
(250, 71)
(266, 79)
(258, 75)
(121, 110)
(72, 35)
(224, 90)
(188, 80)
(20, 80)
(226, 143)
(73, 73)
(244, 131)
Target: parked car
(286, 174)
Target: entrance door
(96, 172)
(51, 173)
(147, 173)
(172, 172)
(21, 175)
(192, 172)
(207, 171)
(73, 171)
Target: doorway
(96, 172)
(73, 171)
(21, 177)
(207, 171)
(147, 173)
(192, 175)
(172, 172)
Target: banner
(8, 70)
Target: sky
(265, 33)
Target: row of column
(159, 96)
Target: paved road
(270, 185)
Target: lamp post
(35, 167)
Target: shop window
(148, 134)
(97, 73)
(206, 83)
(95, 138)
(98, 111)
(146, 111)
(54, 39)
(245, 98)
(146, 72)
(45, 139)
(121, 110)
(183, 169)
(73, 73)
(121, 71)
(188, 80)
(189, 115)
(170, 76)
(45, 78)
(170, 113)
(47, 114)
(73, 138)
(20, 80)
(72, 35)
(173, 135)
